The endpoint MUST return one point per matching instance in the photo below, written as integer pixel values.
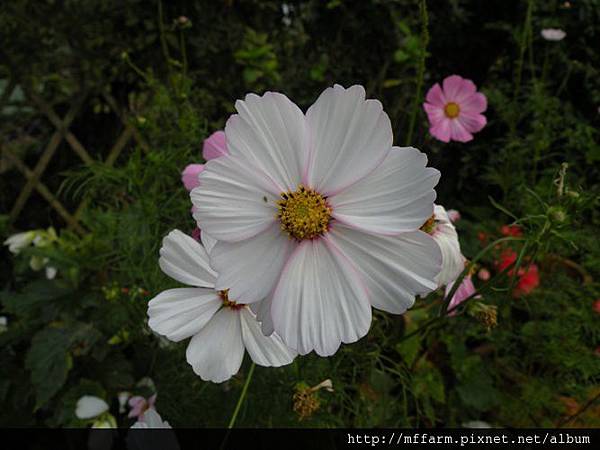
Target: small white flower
(3, 324)
(553, 34)
(19, 241)
(221, 329)
(444, 234)
(89, 407)
(320, 214)
(151, 420)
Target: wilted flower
(221, 328)
(454, 112)
(319, 214)
(89, 407)
(553, 34)
(444, 234)
(306, 401)
(487, 315)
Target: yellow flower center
(304, 214)
(229, 303)
(429, 225)
(452, 110)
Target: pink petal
(434, 113)
(464, 291)
(457, 88)
(189, 176)
(472, 122)
(436, 96)
(441, 130)
(458, 132)
(215, 146)
(474, 104)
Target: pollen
(304, 213)
(452, 110)
(429, 225)
(229, 303)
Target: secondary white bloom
(220, 327)
(89, 407)
(444, 233)
(319, 214)
(553, 34)
(19, 241)
(3, 324)
(151, 420)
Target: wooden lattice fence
(33, 176)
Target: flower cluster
(41, 239)
(308, 221)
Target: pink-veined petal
(320, 300)
(394, 268)
(185, 260)
(183, 312)
(435, 96)
(235, 200)
(268, 351)
(217, 351)
(250, 269)
(457, 88)
(350, 136)
(271, 132)
(396, 197)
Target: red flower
(528, 276)
(511, 230)
(529, 279)
(597, 306)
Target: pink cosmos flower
(464, 291)
(214, 146)
(139, 405)
(454, 112)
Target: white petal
(181, 313)
(207, 241)
(271, 132)
(250, 269)
(320, 301)
(350, 136)
(396, 197)
(267, 351)
(262, 310)
(89, 407)
(453, 261)
(216, 352)
(185, 260)
(153, 420)
(19, 241)
(235, 200)
(394, 268)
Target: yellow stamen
(304, 214)
(452, 110)
(229, 303)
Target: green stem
(242, 397)
(420, 70)
(519, 66)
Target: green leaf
(49, 362)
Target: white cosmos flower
(440, 227)
(89, 407)
(220, 327)
(319, 214)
